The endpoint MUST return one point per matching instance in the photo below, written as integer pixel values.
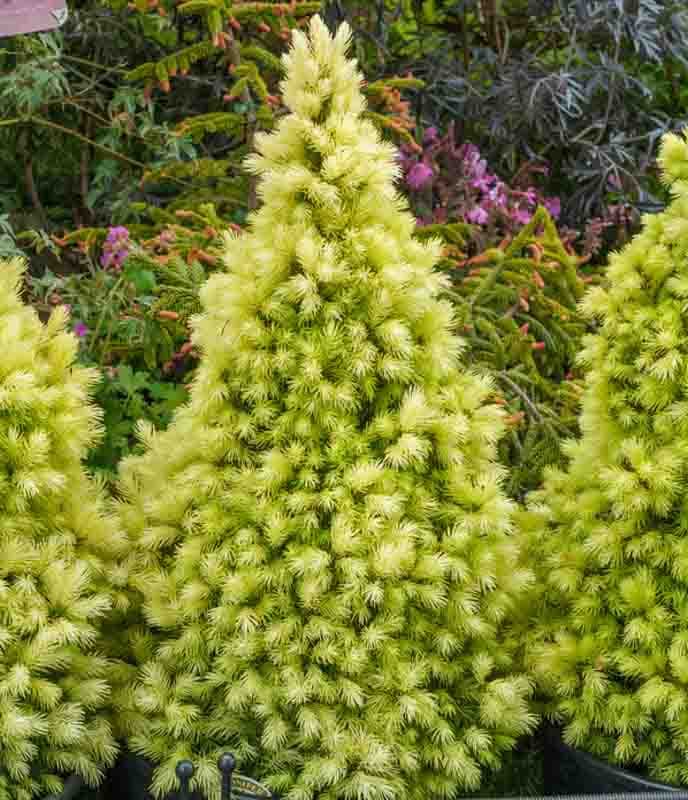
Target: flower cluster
(80, 329)
(115, 248)
(449, 182)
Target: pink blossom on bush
(498, 195)
(522, 215)
(80, 329)
(478, 216)
(419, 176)
(553, 205)
(430, 136)
(115, 248)
(463, 188)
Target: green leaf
(143, 279)
(131, 382)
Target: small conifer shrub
(610, 532)
(322, 544)
(58, 550)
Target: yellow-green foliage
(57, 550)
(322, 544)
(609, 534)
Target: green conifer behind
(324, 548)
(610, 533)
(57, 559)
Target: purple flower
(469, 153)
(521, 215)
(115, 248)
(482, 183)
(553, 205)
(419, 176)
(430, 135)
(531, 196)
(80, 329)
(116, 233)
(477, 168)
(477, 215)
(497, 195)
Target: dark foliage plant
(585, 85)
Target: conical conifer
(57, 559)
(610, 533)
(323, 544)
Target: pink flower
(521, 215)
(118, 232)
(553, 205)
(469, 153)
(419, 176)
(497, 195)
(115, 248)
(80, 329)
(482, 183)
(478, 216)
(430, 135)
(531, 196)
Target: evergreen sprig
(518, 307)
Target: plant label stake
(30, 16)
(233, 787)
(185, 771)
(226, 765)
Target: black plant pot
(571, 771)
(71, 790)
(130, 779)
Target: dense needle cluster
(323, 548)
(58, 551)
(610, 533)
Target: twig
(235, 59)
(516, 388)
(31, 188)
(83, 170)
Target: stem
(235, 58)
(106, 307)
(84, 61)
(54, 126)
(516, 388)
(88, 63)
(612, 89)
(252, 201)
(29, 179)
(464, 33)
(83, 169)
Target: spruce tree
(322, 544)
(609, 532)
(58, 547)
